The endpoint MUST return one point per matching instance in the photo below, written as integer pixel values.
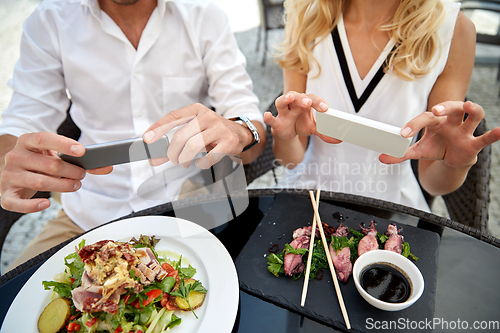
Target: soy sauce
(385, 283)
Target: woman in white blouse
(403, 62)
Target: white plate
(214, 268)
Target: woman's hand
(295, 116)
(447, 136)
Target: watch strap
(251, 127)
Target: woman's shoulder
(464, 27)
(455, 23)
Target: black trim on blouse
(356, 102)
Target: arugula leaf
(275, 264)
(290, 249)
(174, 321)
(381, 238)
(184, 290)
(186, 272)
(166, 284)
(75, 265)
(338, 243)
(63, 289)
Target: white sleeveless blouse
(351, 169)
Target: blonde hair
(413, 27)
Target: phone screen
(118, 152)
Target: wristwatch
(245, 121)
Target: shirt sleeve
(39, 101)
(230, 86)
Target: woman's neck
(369, 15)
(362, 21)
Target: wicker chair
(266, 161)
(469, 203)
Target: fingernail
(287, 96)
(77, 149)
(405, 131)
(439, 109)
(149, 136)
(77, 185)
(323, 106)
(306, 101)
(43, 205)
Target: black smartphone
(118, 152)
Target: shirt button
(139, 114)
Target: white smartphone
(364, 132)
(118, 152)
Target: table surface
(467, 293)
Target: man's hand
(33, 165)
(203, 130)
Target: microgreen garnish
(184, 290)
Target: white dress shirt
(186, 54)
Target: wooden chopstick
(309, 255)
(330, 263)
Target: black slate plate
(289, 212)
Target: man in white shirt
(131, 67)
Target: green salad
(115, 287)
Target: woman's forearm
(291, 152)
(438, 178)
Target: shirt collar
(94, 8)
